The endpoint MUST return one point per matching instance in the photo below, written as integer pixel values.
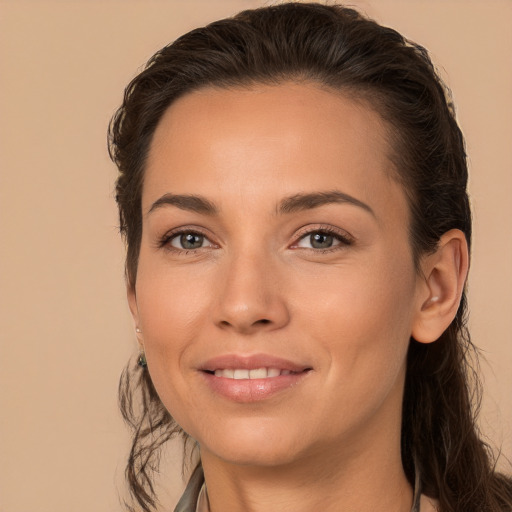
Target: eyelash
(344, 238)
(165, 241)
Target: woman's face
(276, 291)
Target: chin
(272, 455)
(253, 443)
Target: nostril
(246, 324)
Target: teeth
(260, 373)
(224, 373)
(257, 373)
(241, 374)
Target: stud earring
(142, 360)
(137, 329)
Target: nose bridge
(250, 296)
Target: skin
(257, 285)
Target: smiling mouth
(257, 373)
(253, 378)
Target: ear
(443, 277)
(134, 310)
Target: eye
(322, 240)
(189, 240)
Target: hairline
(369, 98)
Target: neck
(361, 477)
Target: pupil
(191, 241)
(321, 241)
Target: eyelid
(343, 236)
(164, 240)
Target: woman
(292, 191)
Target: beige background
(64, 327)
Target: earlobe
(444, 276)
(132, 303)
(134, 310)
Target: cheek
(169, 300)
(362, 319)
(363, 336)
(172, 308)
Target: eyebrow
(292, 204)
(190, 203)
(300, 202)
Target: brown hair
(336, 47)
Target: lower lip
(252, 390)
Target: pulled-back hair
(337, 48)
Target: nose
(252, 296)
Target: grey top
(195, 500)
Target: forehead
(274, 140)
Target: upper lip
(251, 362)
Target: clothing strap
(417, 493)
(190, 502)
